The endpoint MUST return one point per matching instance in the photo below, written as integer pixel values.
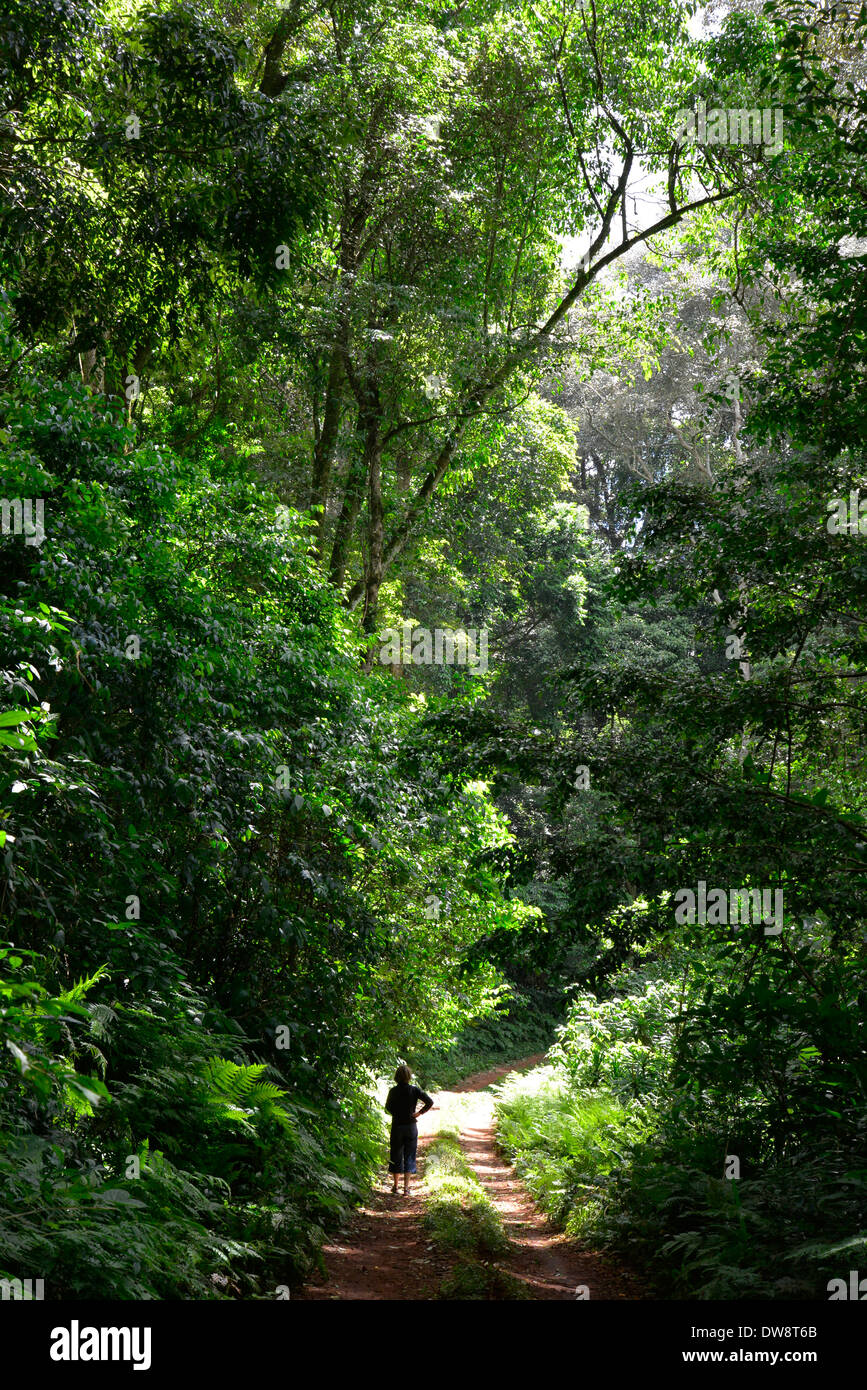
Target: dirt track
(385, 1253)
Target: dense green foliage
(520, 1026)
(320, 321)
(214, 836)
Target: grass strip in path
(461, 1218)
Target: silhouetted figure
(401, 1106)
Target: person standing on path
(400, 1104)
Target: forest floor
(385, 1252)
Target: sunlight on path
(385, 1252)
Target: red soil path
(385, 1253)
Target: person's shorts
(402, 1149)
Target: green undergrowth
(462, 1219)
(648, 1184)
(475, 1280)
(565, 1145)
(460, 1215)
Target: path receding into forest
(385, 1252)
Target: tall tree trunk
(353, 496)
(396, 544)
(376, 529)
(326, 444)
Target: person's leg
(395, 1158)
(409, 1152)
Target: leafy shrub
(565, 1144)
(624, 1043)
